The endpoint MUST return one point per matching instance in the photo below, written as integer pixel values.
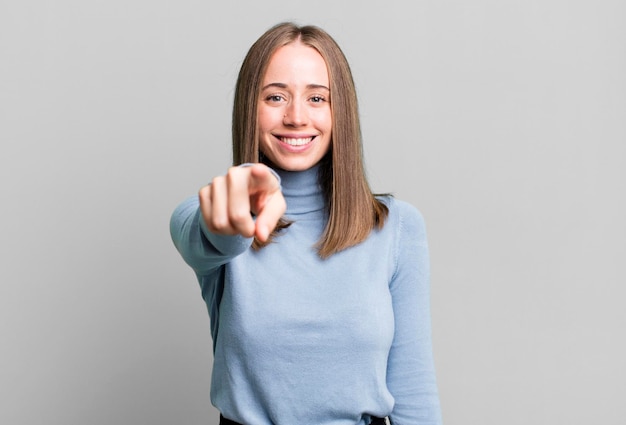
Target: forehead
(296, 62)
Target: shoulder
(402, 214)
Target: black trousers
(224, 421)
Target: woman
(317, 290)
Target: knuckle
(234, 173)
(239, 217)
(209, 220)
(204, 192)
(218, 223)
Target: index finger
(268, 217)
(263, 179)
(262, 185)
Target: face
(294, 116)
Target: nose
(295, 114)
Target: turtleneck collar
(301, 190)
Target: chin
(292, 164)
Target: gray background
(502, 121)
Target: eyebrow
(284, 86)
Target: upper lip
(294, 136)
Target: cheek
(264, 128)
(260, 120)
(323, 120)
(267, 118)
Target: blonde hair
(353, 209)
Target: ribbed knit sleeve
(410, 369)
(205, 253)
(202, 250)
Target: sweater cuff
(229, 245)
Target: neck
(302, 191)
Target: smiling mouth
(300, 141)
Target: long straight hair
(353, 209)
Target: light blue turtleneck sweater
(299, 340)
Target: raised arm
(218, 224)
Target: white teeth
(296, 142)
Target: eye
(274, 98)
(317, 99)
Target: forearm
(202, 250)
